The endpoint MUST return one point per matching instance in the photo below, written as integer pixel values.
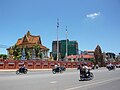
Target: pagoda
(30, 44)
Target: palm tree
(37, 50)
(40, 55)
(27, 53)
(16, 52)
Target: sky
(89, 22)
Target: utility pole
(57, 40)
(66, 44)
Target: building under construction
(72, 48)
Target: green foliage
(4, 56)
(27, 53)
(37, 50)
(16, 53)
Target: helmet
(85, 63)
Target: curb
(7, 70)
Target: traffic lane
(101, 77)
(111, 84)
(36, 81)
(46, 81)
(50, 81)
(105, 74)
(31, 72)
(108, 85)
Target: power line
(3, 46)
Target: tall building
(72, 48)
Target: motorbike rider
(97, 66)
(86, 69)
(80, 67)
(22, 68)
(110, 66)
(93, 66)
(57, 66)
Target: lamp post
(66, 44)
(57, 40)
(81, 55)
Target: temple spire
(28, 33)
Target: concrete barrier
(40, 64)
(2, 65)
(37, 65)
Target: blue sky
(89, 22)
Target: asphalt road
(68, 80)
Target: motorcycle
(22, 70)
(86, 76)
(63, 68)
(110, 68)
(58, 70)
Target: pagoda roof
(30, 41)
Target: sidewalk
(11, 70)
(2, 70)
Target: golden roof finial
(28, 33)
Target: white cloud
(93, 15)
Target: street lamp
(81, 55)
(57, 40)
(66, 44)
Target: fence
(37, 64)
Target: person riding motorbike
(86, 70)
(22, 68)
(110, 66)
(57, 67)
(97, 66)
(93, 66)
(85, 73)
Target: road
(69, 80)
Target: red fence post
(1, 64)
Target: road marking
(53, 82)
(78, 87)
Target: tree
(98, 56)
(16, 52)
(4, 56)
(27, 53)
(37, 50)
(40, 55)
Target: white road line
(53, 82)
(73, 88)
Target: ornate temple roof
(29, 41)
